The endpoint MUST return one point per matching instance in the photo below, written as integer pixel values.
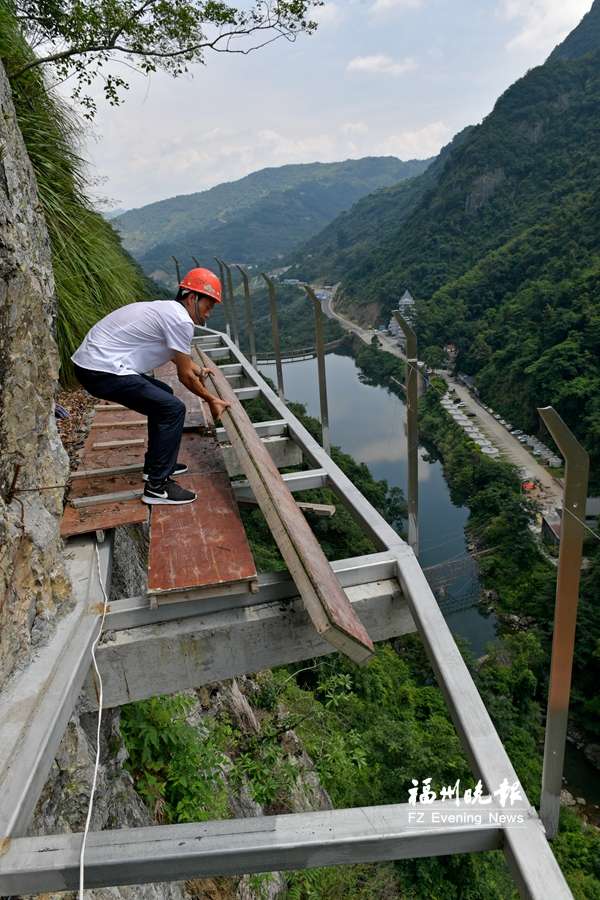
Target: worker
(121, 348)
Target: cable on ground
(100, 701)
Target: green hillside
(260, 217)
(350, 244)
(503, 251)
(93, 274)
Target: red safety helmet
(203, 281)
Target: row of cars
(538, 449)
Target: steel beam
(134, 612)
(275, 332)
(37, 704)
(565, 613)
(373, 522)
(231, 295)
(174, 656)
(527, 852)
(263, 429)
(320, 348)
(249, 318)
(282, 450)
(237, 846)
(247, 393)
(412, 430)
(296, 481)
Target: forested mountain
(503, 251)
(351, 243)
(258, 218)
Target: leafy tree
(78, 38)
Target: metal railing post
(320, 348)
(176, 261)
(226, 311)
(577, 465)
(196, 263)
(249, 319)
(234, 321)
(275, 331)
(412, 429)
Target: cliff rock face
(33, 587)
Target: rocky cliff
(33, 589)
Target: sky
(379, 77)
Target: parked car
(516, 432)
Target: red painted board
(102, 516)
(200, 544)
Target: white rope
(581, 522)
(100, 701)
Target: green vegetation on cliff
(93, 274)
(499, 243)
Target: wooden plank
(124, 423)
(201, 543)
(112, 445)
(102, 517)
(327, 605)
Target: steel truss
(178, 643)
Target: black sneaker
(169, 492)
(180, 469)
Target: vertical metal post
(275, 330)
(234, 321)
(565, 613)
(249, 319)
(196, 263)
(412, 428)
(320, 347)
(221, 266)
(176, 261)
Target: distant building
(407, 307)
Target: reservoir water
(368, 422)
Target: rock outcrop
(33, 588)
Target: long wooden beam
(325, 602)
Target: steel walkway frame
(132, 856)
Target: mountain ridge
(256, 218)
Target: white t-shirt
(136, 338)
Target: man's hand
(201, 372)
(217, 407)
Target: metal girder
(37, 704)
(373, 523)
(174, 656)
(296, 481)
(134, 612)
(238, 846)
(529, 853)
(247, 393)
(283, 451)
(263, 429)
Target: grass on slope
(93, 274)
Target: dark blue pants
(152, 398)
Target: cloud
(354, 128)
(386, 6)
(328, 14)
(380, 64)
(419, 144)
(542, 23)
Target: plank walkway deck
(194, 547)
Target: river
(368, 423)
